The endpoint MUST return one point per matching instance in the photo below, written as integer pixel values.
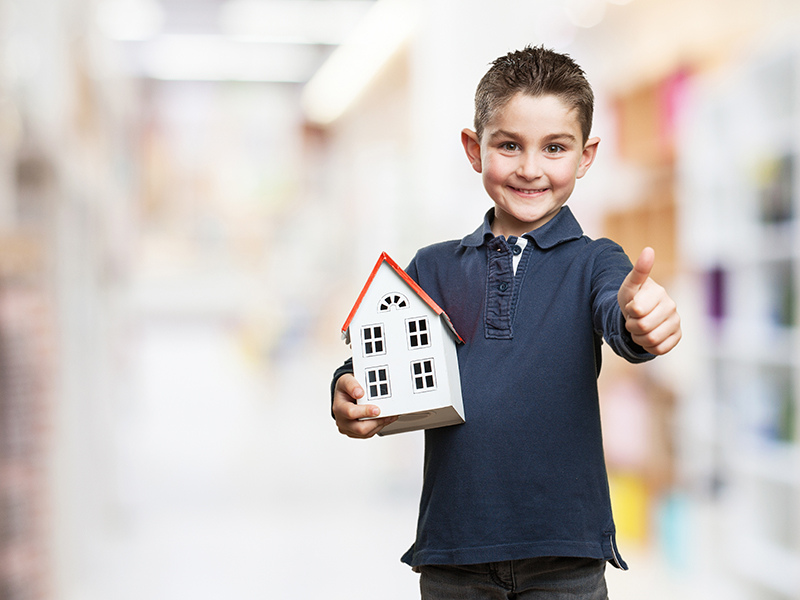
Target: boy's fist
(650, 314)
(348, 413)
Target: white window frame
(372, 340)
(428, 378)
(423, 337)
(375, 386)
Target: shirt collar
(561, 228)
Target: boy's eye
(510, 146)
(552, 148)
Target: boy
(515, 501)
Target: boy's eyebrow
(561, 136)
(502, 133)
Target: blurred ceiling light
(585, 13)
(218, 58)
(130, 20)
(348, 71)
(295, 21)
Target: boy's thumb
(641, 271)
(644, 264)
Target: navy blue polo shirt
(525, 475)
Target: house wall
(398, 356)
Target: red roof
(412, 284)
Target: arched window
(393, 300)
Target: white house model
(404, 352)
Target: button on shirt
(524, 476)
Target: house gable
(386, 259)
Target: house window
(378, 383)
(424, 375)
(372, 340)
(418, 335)
(395, 300)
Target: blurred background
(192, 194)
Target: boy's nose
(529, 167)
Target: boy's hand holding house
(347, 413)
(651, 316)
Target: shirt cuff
(347, 367)
(628, 349)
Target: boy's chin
(518, 224)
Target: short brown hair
(535, 71)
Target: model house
(404, 351)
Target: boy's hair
(535, 71)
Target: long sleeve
(346, 367)
(610, 269)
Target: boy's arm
(651, 316)
(345, 391)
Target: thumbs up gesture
(650, 314)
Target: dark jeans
(547, 578)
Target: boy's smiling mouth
(528, 192)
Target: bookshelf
(739, 228)
(25, 365)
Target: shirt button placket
(498, 315)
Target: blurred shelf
(775, 461)
(748, 267)
(753, 341)
(775, 568)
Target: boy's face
(529, 156)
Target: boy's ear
(472, 146)
(587, 156)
